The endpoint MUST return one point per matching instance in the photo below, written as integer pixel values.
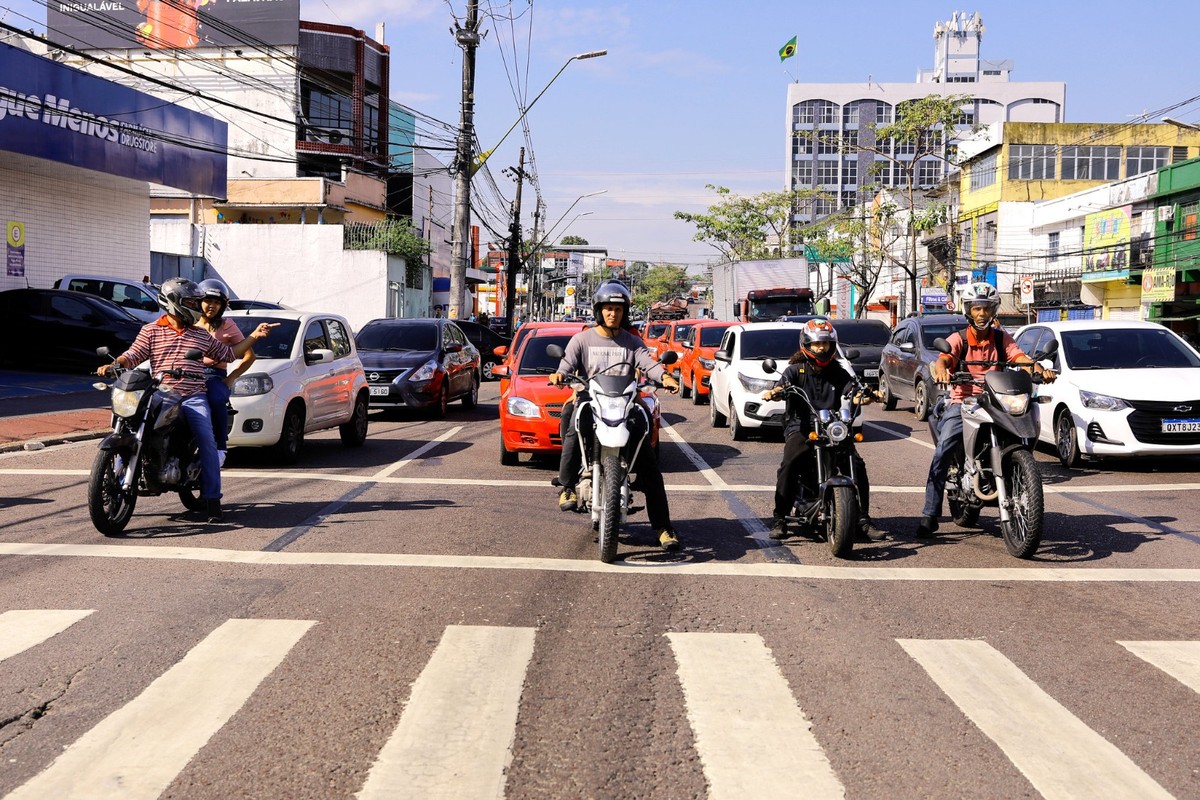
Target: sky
(692, 92)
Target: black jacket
(825, 388)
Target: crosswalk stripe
(738, 702)
(1180, 660)
(1060, 755)
(138, 750)
(455, 736)
(21, 630)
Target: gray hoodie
(588, 353)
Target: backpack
(997, 342)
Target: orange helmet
(818, 330)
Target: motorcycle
(150, 451)
(612, 428)
(831, 508)
(995, 464)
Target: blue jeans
(197, 413)
(949, 438)
(218, 401)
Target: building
(1170, 283)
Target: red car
(507, 353)
(696, 365)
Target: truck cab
(768, 305)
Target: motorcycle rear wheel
(610, 508)
(964, 514)
(109, 507)
(841, 520)
(1023, 532)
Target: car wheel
(1066, 438)
(685, 391)
(737, 431)
(442, 405)
(507, 457)
(715, 418)
(487, 368)
(697, 398)
(354, 430)
(885, 389)
(921, 400)
(471, 398)
(291, 435)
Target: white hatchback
(738, 379)
(306, 377)
(1124, 389)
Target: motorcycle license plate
(870, 373)
(1181, 426)
(380, 391)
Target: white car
(738, 379)
(306, 377)
(1124, 389)
(140, 300)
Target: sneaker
(567, 501)
(778, 529)
(926, 527)
(868, 531)
(221, 458)
(667, 540)
(212, 511)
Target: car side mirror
(722, 355)
(502, 371)
(501, 350)
(907, 347)
(102, 351)
(318, 356)
(453, 347)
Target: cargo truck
(762, 290)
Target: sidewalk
(39, 409)
(34, 431)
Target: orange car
(676, 332)
(696, 364)
(511, 350)
(652, 331)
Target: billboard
(173, 24)
(1106, 245)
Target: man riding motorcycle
(612, 342)
(815, 369)
(981, 341)
(165, 343)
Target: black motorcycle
(150, 451)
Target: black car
(904, 362)
(418, 363)
(868, 337)
(60, 328)
(486, 341)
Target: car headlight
(125, 404)
(521, 407)
(1015, 404)
(707, 363)
(1101, 402)
(755, 385)
(251, 385)
(426, 371)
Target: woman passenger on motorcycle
(815, 368)
(612, 341)
(217, 379)
(981, 341)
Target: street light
(482, 157)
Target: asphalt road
(412, 619)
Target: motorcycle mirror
(852, 354)
(941, 345)
(101, 351)
(668, 358)
(1050, 349)
(769, 366)
(554, 351)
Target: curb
(48, 441)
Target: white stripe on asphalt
(1060, 755)
(1180, 660)
(738, 704)
(138, 750)
(895, 435)
(456, 733)
(415, 454)
(21, 630)
(699, 463)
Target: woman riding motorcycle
(217, 380)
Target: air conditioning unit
(1166, 213)
(327, 135)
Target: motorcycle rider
(612, 341)
(981, 341)
(815, 368)
(217, 379)
(165, 342)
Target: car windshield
(711, 336)
(535, 360)
(656, 330)
(1126, 348)
(777, 343)
(278, 344)
(397, 337)
(681, 331)
(938, 331)
(770, 310)
(856, 332)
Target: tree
(661, 283)
(742, 228)
(573, 240)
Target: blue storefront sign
(51, 111)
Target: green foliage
(742, 228)
(573, 240)
(660, 283)
(396, 236)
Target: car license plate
(870, 373)
(1181, 426)
(380, 391)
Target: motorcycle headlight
(125, 404)
(251, 385)
(426, 371)
(837, 431)
(1015, 404)
(612, 409)
(1102, 402)
(755, 385)
(521, 407)
(707, 363)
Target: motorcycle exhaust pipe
(975, 484)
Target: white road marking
(699, 463)
(21, 630)
(1027, 574)
(455, 736)
(139, 749)
(415, 454)
(1060, 755)
(901, 436)
(738, 704)
(1180, 660)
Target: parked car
(307, 377)
(419, 363)
(1124, 389)
(486, 341)
(697, 363)
(738, 379)
(139, 299)
(904, 361)
(868, 337)
(239, 304)
(57, 328)
(672, 339)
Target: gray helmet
(213, 288)
(180, 298)
(612, 292)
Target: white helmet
(980, 294)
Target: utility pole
(533, 268)
(514, 251)
(468, 40)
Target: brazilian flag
(788, 50)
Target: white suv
(306, 377)
(738, 379)
(140, 300)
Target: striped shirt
(166, 347)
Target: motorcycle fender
(617, 436)
(1022, 427)
(838, 480)
(119, 441)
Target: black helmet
(612, 292)
(180, 298)
(214, 288)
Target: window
(826, 112)
(1179, 153)
(1031, 162)
(324, 109)
(968, 233)
(906, 147)
(827, 143)
(983, 171)
(802, 145)
(1052, 247)
(956, 79)
(1188, 213)
(802, 113)
(314, 337)
(822, 112)
(929, 172)
(1144, 159)
(991, 72)
(802, 173)
(850, 113)
(1091, 163)
(850, 170)
(338, 338)
(850, 142)
(827, 172)
(849, 199)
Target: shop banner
(174, 24)
(1158, 285)
(1106, 245)
(15, 250)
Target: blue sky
(693, 92)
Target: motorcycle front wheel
(108, 505)
(610, 507)
(1023, 531)
(841, 520)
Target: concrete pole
(514, 251)
(468, 39)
